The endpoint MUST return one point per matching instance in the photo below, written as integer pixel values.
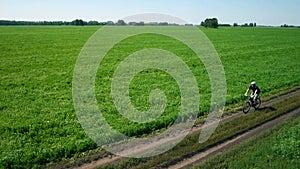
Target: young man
(255, 91)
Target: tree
(210, 23)
(202, 24)
(121, 23)
(140, 23)
(245, 25)
(78, 22)
(110, 23)
(93, 23)
(132, 23)
(235, 24)
(163, 23)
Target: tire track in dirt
(233, 142)
(196, 158)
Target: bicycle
(251, 103)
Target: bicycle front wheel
(246, 107)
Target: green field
(38, 123)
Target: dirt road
(233, 142)
(216, 149)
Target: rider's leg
(255, 98)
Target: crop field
(38, 123)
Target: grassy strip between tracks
(225, 131)
(278, 147)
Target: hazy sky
(263, 12)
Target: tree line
(213, 23)
(289, 26)
(208, 23)
(77, 22)
(80, 22)
(245, 25)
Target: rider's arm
(246, 94)
(255, 92)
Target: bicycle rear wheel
(258, 103)
(246, 107)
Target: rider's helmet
(253, 83)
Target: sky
(262, 12)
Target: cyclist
(255, 91)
